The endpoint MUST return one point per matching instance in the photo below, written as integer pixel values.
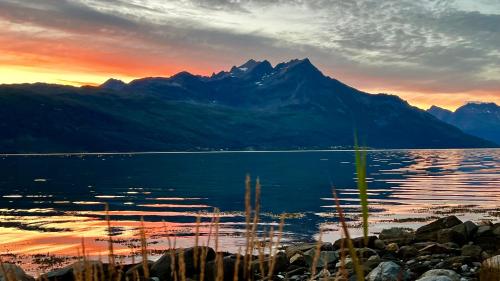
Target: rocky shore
(445, 250)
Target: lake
(49, 203)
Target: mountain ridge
(481, 119)
(289, 106)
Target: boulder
(450, 236)
(490, 269)
(386, 271)
(472, 251)
(435, 273)
(13, 272)
(429, 231)
(399, 235)
(467, 229)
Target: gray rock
(13, 272)
(472, 251)
(429, 231)
(399, 235)
(484, 230)
(291, 250)
(325, 257)
(386, 271)
(452, 275)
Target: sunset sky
(443, 52)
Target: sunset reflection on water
(407, 188)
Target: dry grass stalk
(273, 254)
(144, 250)
(111, 255)
(352, 252)
(317, 254)
(248, 215)
(196, 241)
(237, 265)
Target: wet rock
(407, 252)
(450, 236)
(13, 272)
(386, 271)
(472, 251)
(429, 231)
(371, 263)
(435, 273)
(280, 264)
(399, 235)
(467, 229)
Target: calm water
(48, 203)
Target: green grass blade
(360, 155)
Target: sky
(441, 52)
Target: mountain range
(292, 105)
(478, 119)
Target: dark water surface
(49, 202)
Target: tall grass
(360, 155)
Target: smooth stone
(291, 250)
(386, 271)
(452, 275)
(484, 230)
(137, 270)
(13, 272)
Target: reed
(360, 157)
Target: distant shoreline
(233, 151)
